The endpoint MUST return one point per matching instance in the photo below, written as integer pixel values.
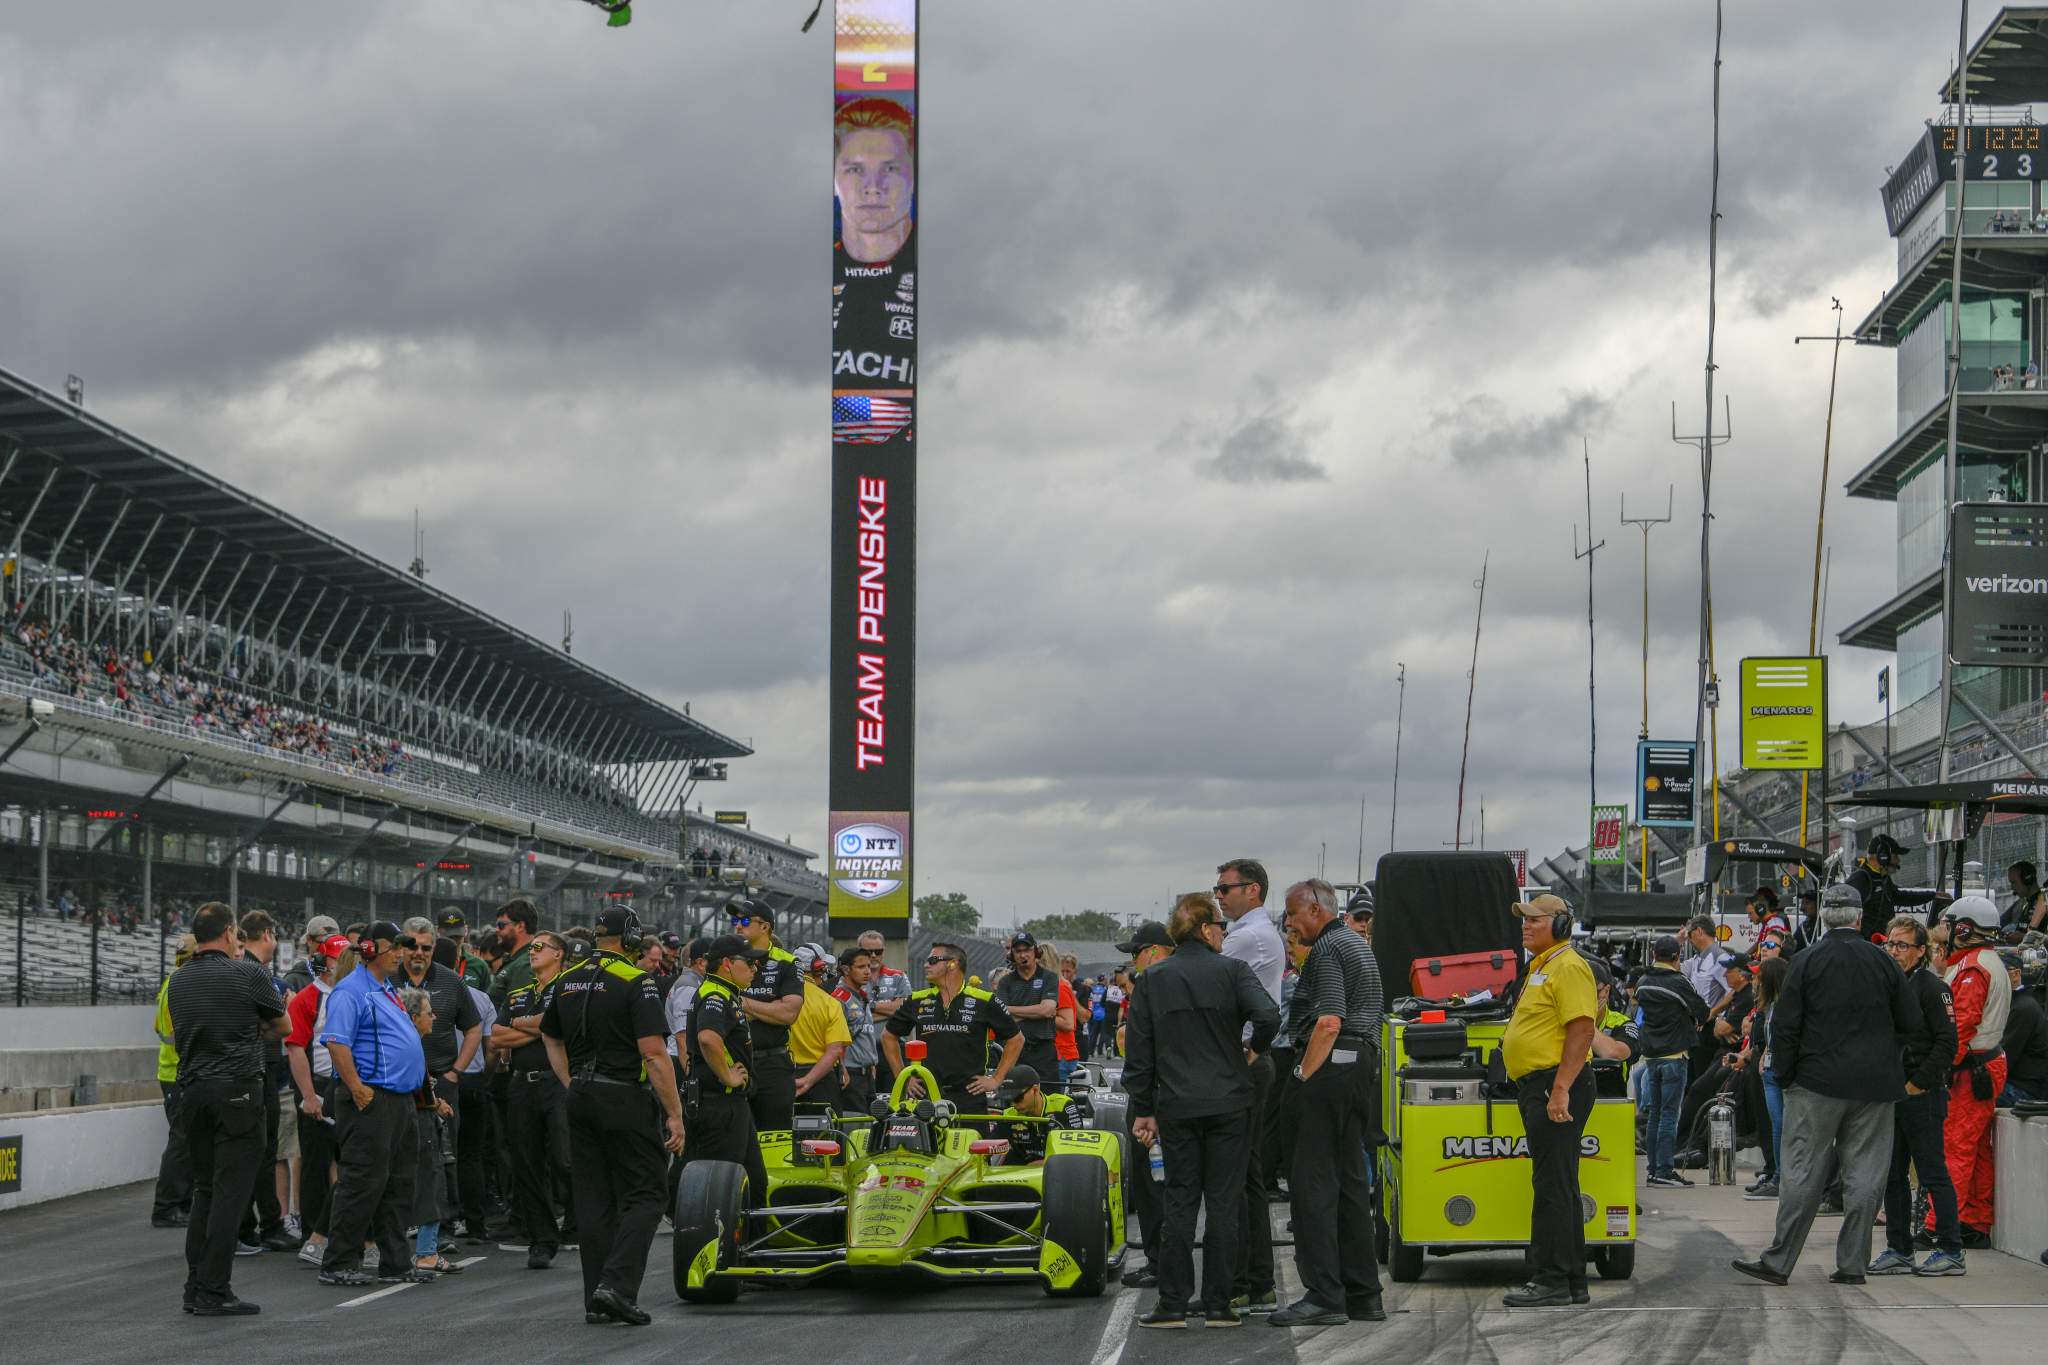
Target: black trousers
(1557, 1234)
(774, 1099)
(223, 1123)
(1278, 1137)
(1254, 1273)
(1204, 1169)
(472, 1142)
(857, 1096)
(265, 1215)
(174, 1170)
(1329, 1193)
(377, 1153)
(537, 1129)
(722, 1129)
(1917, 1122)
(620, 1174)
(1044, 1058)
(825, 1091)
(316, 1162)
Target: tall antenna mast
(418, 567)
(1644, 524)
(1709, 683)
(1592, 710)
(1471, 686)
(1400, 709)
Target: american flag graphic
(865, 419)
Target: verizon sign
(1998, 586)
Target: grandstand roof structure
(130, 512)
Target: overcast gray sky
(1247, 332)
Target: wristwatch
(1297, 1072)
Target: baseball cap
(322, 927)
(731, 945)
(616, 921)
(671, 939)
(1150, 934)
(334, 945)
(1665, 949)
(746, 907)
(1020, 1079)
(809, 956)
(451, 919)
(382, 931)
(1022, 939)
(1361, 899)
(1545, 906)
(1841, 894)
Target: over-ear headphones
(1561, 927)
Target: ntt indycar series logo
(2006, 583)
(868, 859)
(1503, 1148)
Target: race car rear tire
(1616, 1262)
(710, 1202)
(1404, 1259)
(1076, 1204)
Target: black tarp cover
(1434, 904)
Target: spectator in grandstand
(518, 921)
(263, 1224)
(172, 1207)
(223, 1011)
(380, 1060)
(312, 1075)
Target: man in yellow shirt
(820, 1036)
(1549, 1039)
(172, 1205)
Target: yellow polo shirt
(819, 1024)
(166, 1050)
(1559, 989)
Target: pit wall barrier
(2022, 1198)
(60, 1152)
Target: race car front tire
(1076, 1219)
(711, 1200)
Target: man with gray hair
(1335, 1018)
(1837, 1035)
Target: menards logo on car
(1502, 1147)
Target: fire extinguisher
(1721, 1141)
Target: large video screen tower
(874, 463)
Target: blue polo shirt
(365, 1017)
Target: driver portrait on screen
(874, 278)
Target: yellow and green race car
(914, 1187)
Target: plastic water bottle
(1158, 1162)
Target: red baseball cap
(334, 945)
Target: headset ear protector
(1561, 927)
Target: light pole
(1644, 524)
(1400, 710)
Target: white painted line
(1766, 1307)
(1117, 1331)
(391, 1289)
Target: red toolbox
(1438, 978)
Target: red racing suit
(1983, 995)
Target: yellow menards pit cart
(1454, 1175)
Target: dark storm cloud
(1267, 446)
(1483, 430)
(561, 288)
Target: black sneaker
(229, 1307)
(1144, 1277)
(1975, 1239)
(1580, 1293)
(280, 1240)
(351, 1278)
(1663, 1182)
(1678, 1178)
(1306, 1312)
(1165, 1318)
(1222, 1317)
(1373, 1309)
(540, 1258)
(1534, 1295)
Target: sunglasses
(502, 924)
(738, 920)
(1225, 888)
(939, 961)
